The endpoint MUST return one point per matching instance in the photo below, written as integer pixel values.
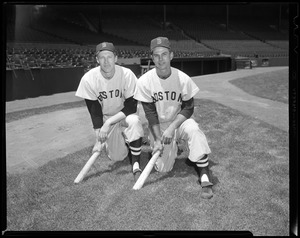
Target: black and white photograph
(150, 119)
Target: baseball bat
(87, 166)
(147, 170)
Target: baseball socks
(135, 149)
(204, 177)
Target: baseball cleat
(206, 191)
(136, 174)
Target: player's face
(107, 60)
(162, 57)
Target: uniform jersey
(167, 94)
(111, 93)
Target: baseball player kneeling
(108, 91)
(166, 94)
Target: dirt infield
(33, 141)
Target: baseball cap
(105, 46)
(160, 41)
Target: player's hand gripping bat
(147, 170)
(88, 165)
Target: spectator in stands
(167, 95)
(108, 92)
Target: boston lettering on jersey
(167, 95)
(110, 94)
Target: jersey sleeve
(95, 111)
(187, 108)
(142, 92)
(130, 80)
(84, 90)
(189, 89)
(150, 113)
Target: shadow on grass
(115, 166)
(111, 167)
(182, 168)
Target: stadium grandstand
(205, 39)
(64, 36)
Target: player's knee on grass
(166, 161)
(116, 147)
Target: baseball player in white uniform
(108, 91)
(166, 94)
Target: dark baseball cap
(160, 42)
(105, 46)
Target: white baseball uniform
(168, 94)
(111, 95)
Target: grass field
(271, 86)
(249, 162)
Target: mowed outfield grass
(272, 85)
(249, 162)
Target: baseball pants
(188, 135)
(115, 145)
